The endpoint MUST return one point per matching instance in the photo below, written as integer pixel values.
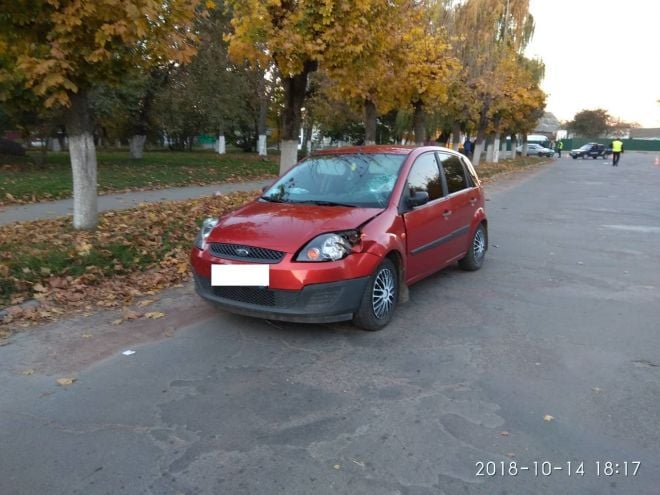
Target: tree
(297, 36)
(590, 123)
(61, 50)
(488, 35)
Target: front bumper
(315, 303)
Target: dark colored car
(591, 150)
(342, 234)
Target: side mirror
(418, 198)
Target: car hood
(286, 226)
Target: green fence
(628, 144)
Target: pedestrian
(617, 149)
(559, 146)
(467, 148)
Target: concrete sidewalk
(121, 201)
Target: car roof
(378, 148)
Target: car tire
(477, 251)
(379, 299)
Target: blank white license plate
(244, 275)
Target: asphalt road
(547, 356)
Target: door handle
(446, 213)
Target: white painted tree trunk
(489, 152)
(288, 155)
(308, 147)
(55, 145)
(222, 146)
(83, 165)
(496, 148)
(478, 150)
(136, 146)
(261, 145)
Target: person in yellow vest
(559, 146)
(617, 149)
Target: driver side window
(425, 176)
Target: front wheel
(476, 252)
(379, 299)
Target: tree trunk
(136, 146)
(288, 154)
(456, 136)
(419, 123)
(307, 139)
(83, 161)
(496, 148)
(514, 145)
(481, 132)
(478, 147)
(262, 147)
(295, 89)
(370, 122)
(490, 150)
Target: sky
(599, 54)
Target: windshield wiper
(324, 203)
(272, 200)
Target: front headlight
(207, 226)
(329, 247)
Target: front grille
(245, 253)
(258, 296)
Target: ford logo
(242, 251)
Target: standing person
(559, 146)
(467, 148)
(617, 149)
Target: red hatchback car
(342, 234)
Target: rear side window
(454, 172)
(425, 176)
(473, 179)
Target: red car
(342, 234)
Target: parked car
(535, 149)
(342, 234)
(591, 150)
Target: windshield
(586, 147)
(358, 179)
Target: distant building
(548, 125)
(650, 133)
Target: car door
(427, 225)
(461, 203)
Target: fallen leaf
(548, 418)
(65, 381)
(154, 315)
(504, 433)
(146, 302)
(27, 372)
(83, 248)
(131, 315)
(118, 321)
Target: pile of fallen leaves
(488, 170)
(132, 253)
